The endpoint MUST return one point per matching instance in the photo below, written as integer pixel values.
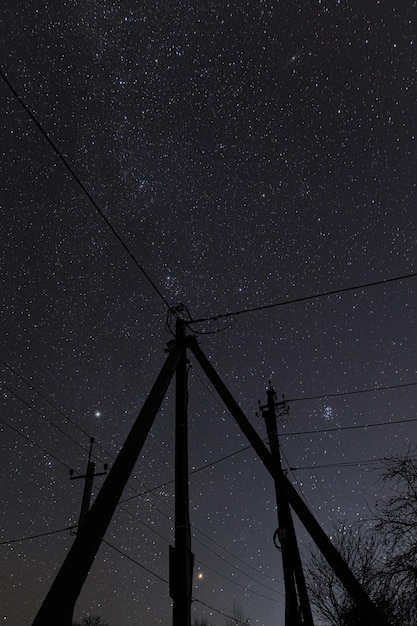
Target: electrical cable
(232, 554)
(32, 443)
(342, 464)
(302, 447)
(354, 427)
(211, 550)
(234, 582)
(46, 419)
(127, 556)
(149, 571)
(47, 534)
(304, 298)
(352, 392)
(235, 620)
(283, 434)
(281, 582)
(84, 189)
(233, 454)
(39, 393)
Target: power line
(234, 619)
(127, 556)
(315, 296)
(47, 534)
(211, 550)
(149, 571)
(283, 434)
(32, 443)
(235, 566)
(340, 464)
(46, 419)
(234, 582)
(351, 393)
(234, 556)
(39, 393)
(320, 431)
(85, 190)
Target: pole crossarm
(58, 605)
(339, 566)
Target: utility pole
(297, 604)
(88, 485)
(180, 556)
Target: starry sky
(247, 153)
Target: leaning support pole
(58, 605)
(365, 605)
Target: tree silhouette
(381, 552)
(91, 620)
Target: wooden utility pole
(181, 557)
(88, 485)
(297, 604)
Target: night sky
(247, 153)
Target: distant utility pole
(297, 604)
(88, 485)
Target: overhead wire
(161, 536)
(40, 394)
(164, 580)
(315, 296)
(235, 566)
(234, 582)
(149, 571)
(32, 443)
(352, 392)
(234, 619)
(136, 562)
(206, 566)
(320, 431)
(79, 182)
(303, 450)
(340, 464)
(28, 537)
(283, 434)
(42, 416)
